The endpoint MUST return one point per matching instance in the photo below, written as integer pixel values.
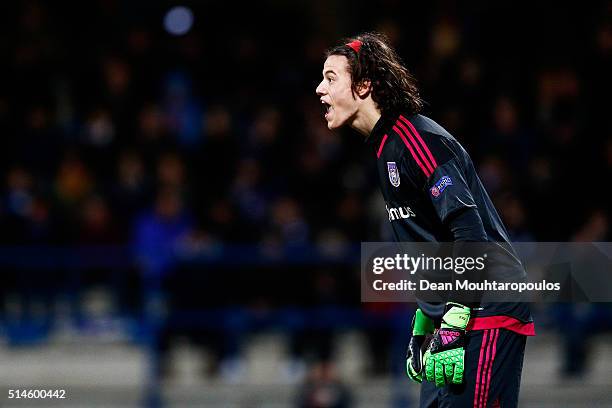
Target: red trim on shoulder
(501, 322)
(382, 144)
(418, 136)
(416, 146)
(414, 155)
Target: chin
(334, 124)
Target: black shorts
(493, 367)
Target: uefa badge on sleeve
(440, 186)
(394, 177)
(435, 191)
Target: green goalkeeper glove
(444, 360)
(422, 329)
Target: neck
(366, 119)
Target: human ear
(364, 88)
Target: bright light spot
(178, 20)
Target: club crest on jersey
(394, 177)
(440, 186)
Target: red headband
(355, 45)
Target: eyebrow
(329, 71)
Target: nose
(320, 89)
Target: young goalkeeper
(465, 355)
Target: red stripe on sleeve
(414, 156)
(382, 144)
(418, 136)
(416, 146)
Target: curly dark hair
(394, 89)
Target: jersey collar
(382, 127)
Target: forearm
(469, 241)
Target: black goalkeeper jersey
(426, 178)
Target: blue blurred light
(178, 20)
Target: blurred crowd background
(179, 148)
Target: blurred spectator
(579, 322)
(131, 191)
(99, 128)
(159, 233)
(73, 181)
(171, 172)
(595, 229)
(96, 226)
(287, 223)
(38, 145)
(493, 172)
(324, 389)
(218, 156)
(41, 228)
(247, 192)
(350, 213)
(183, 113)
(25, 215)
(223, 222)
(18, 198)
(507, 137)
(513, 215)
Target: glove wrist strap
(456, 317)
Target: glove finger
(458, 375)
(429, 366)
(439, 374)
(449, 369)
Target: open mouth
(326, 107)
